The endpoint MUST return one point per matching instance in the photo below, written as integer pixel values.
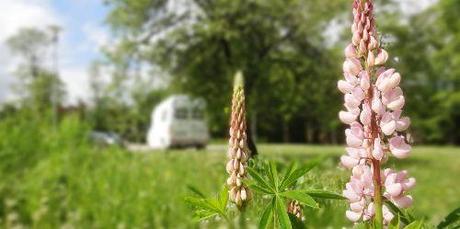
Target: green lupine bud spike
(238, 153)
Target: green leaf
(223, 198)
(300, 196)
(200, 203)
(296, 174)
(273, 174)
(281, 213)
(415, 225)
(395, 225)
(195, 191)
(451, 218)
(324, 194)
(267, 215)
(296, 222)
(288, 173)
(260, 181)
(260, 189)
(403, 217)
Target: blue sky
(83, 34)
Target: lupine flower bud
(295, 209)
(370, 59)
(365, 80)
(382, 57)
(373, 102)
(350, 51)
(238, 151)
(352, 66)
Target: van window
(181, 113)
(197, 114)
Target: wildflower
(374, 103)
(238, 151)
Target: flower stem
(377, 195)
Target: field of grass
(53, 178)
(57, 181)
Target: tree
(37, 81)
(277, 44)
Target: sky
(83, 34)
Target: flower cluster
(238, 151)
(373, 108)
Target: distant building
(178, 121)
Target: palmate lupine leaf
(281, 213)
(264, 184)
(279, 189)
(451, 219)
(273, 174)
(297, 173)
(205, 208)
(324, 194)
(267, 216)
(300, 196)
(415, 225)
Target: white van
(178, 121)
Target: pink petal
(399, 148)
(396, 104)
(347, 117)
(403, 201)
(388, 128)
(350, 195)
(403, 124)
(351, 101)
(366, 115)
(344, 86)
(387, 215)
(352, 66)
(377, 152)
(365, 80)
(394, 189)
(409, 184)
(353, 216)
(349, 162)
(382, 57)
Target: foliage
(277, 44)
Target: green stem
(377, 195)
(242, 220)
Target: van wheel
(200, 146)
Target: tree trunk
(286, 132)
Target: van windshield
(197, 114)
(181, 113)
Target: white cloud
(75, 55)
(16, 14)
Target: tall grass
(51, 178)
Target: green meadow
(59, 179)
